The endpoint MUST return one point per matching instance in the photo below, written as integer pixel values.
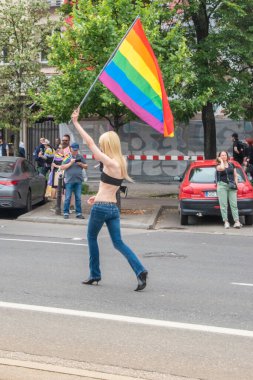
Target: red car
(198, 195)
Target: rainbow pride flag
(133, 76)
(66, 159)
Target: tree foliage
(23, 30)
(80, 52)
(204, 49)
(219, 36)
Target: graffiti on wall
(137, 138)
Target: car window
(31, 169)
(7, 166)
(24, 167)
(28, 168)
(203, 175)
(208, 175)
(185, 172)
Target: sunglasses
(65, 140)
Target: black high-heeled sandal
(90, 281)
(142, 281)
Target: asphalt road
(169, 220)
(194, 319)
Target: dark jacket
(39, 160)
(4, 149)
(238, 156)
(21, 152)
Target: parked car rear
(21, 186)
(198, 192)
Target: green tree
(204, 48)
(80, 52)
(239, 52)
(219, 36)
(24, 26)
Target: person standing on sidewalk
(38, 151)
(104, 208)
(226, 173)
(65, 143)
(47, 156)
(73, 178)
(4, 148)
(238, 149)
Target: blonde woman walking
(104, 208)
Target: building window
(4, 55)
(55, 3)
(43, 56)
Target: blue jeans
(108, 213)
(75, 188)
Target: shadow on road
(11, 214)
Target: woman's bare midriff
(106, 193)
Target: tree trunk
(209, 125)
(16, 141)
(201, 25)
(116, 123)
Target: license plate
(211, 194)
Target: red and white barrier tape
(143, 157)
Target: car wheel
(183, 220)
(248, 220)
(44, 199)
(28, 206)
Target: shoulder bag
(231, 183)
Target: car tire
(28, 206)
(248, 220)
(44, 199)
(183, 220)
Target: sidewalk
(139, 210)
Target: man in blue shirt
(73, 179)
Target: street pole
(59, 195)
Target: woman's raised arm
(99, 156)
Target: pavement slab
(138, 210)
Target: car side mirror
(178, 178)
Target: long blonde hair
(110, 145)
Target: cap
(74, 146)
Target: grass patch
(85, 190)
(132, 212)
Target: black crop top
(110, 180)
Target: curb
(158, 214)
(60, 370)
(149, 224)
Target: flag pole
(111, 57)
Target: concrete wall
(138, 138)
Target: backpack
(243, 148)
